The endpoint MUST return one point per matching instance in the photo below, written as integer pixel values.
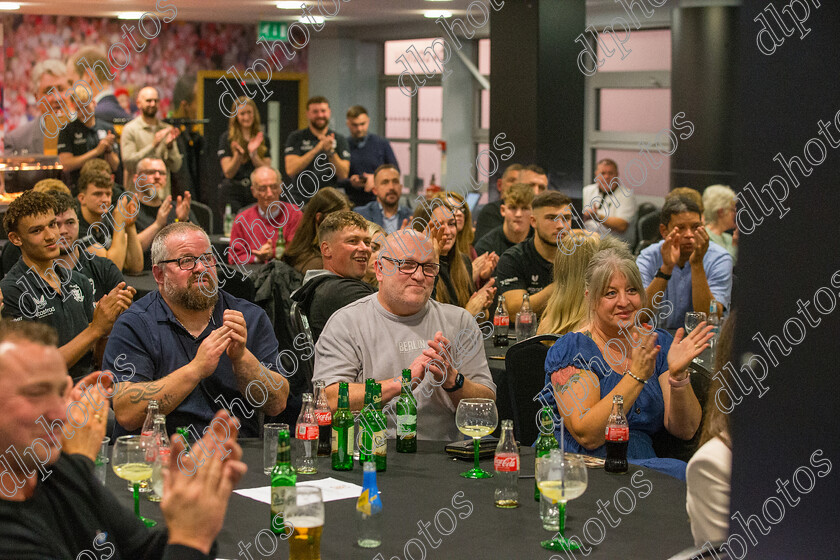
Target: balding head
(148, 101)
(400, 292)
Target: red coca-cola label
(617, 433)
(307, 431)
(323, 417)
(501, 321)
(506, 462)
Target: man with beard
(192, 347)
(386, 210)
(44, 288)
(367, 153)
(148, 136)
(685, 241)
(345, 248)
(528, 266)
(317, 149)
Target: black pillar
(537, 90)
(703, 80)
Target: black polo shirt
(497, 241)
(301, 141)
(522, 268)
(102, 273)
(102, 233)
(78, 139)
(27, 296)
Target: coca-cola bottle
(526, 320)
(306, 433)
(501, 324)
(323, 415)
(617, 437)
(506, 463)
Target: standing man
(490, 215)
(385, 210)
(528, 266)
(401, 327)
(253, 238)
(317, 149)
(707, 276)
(148, 136)
(367, 153)
(607, 202)
(28, 138)
(91, 65)
(83, 140)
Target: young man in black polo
(516, 209)
(528, 266)
(39, 288)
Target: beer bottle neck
(284, 450)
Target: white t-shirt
(617, 204)
(707, 479)
(362, 340)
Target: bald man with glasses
(193, 347)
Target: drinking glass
(560, 479)
(270, 432)
(156, 482)
(133, 459)
(476, 418)
(304, 512)
(101, 462)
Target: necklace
(209, 318)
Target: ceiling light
(431, 14)
(130, 15)
(290, 4)
(312, 20)
(9, 6)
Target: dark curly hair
(30, 203)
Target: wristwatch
(459, 382)
(660, 274)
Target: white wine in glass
(133, 459)
(476, 418)
(561, 478)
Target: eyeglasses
(151, 172)
(189, 262)
(430, 270)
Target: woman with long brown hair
(304, 252)
(242, 148)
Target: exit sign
(273, 31)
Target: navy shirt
(148, 343)
(365, 156)
(301, 141)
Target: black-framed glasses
(430, 270)
(189, 262)
(151, 172)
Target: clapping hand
(238, 334)
(643, 357)
(90, 412)
(482, 299)
(670, 250)
(686, 348)
(484, 265)
(182, 206)
(255, 143)
(110, 306)
(173, 133)
(701, 245)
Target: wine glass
(692, 320)
(304, 512)
(133, 459)
(476, 418)
(560, 479)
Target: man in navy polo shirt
(316, 154)
(367, 153)
(191, 346)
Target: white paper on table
(331, 489)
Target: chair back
(204, 215)
(647, 230)
(525, 378)
(235, 283)
(301, 324)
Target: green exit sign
(273, 31)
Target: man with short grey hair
(192, 346)
(400, 327)
(49, 82)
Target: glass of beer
(304, 514)
(476, 418)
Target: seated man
(489, 215)
(386, 210)
(684, 242)
(39, 287)
(156, 208)
(401, 327)
(609, 206)
(35, 389)
(191, 346)
(528, 266)
(106, 230)
(516, 210)
(345, 248)
(253, 238)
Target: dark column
(703, 79)
(788, 120)
(537, 90)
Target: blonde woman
(719, 211)
(242, 148)
(377, 236)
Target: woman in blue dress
(610, 356)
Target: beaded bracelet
(639, 379)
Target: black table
(421, 487)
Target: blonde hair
(466, 236)
(518, 194)
(235, 135)
(716, 197)
(377, 236)
(567, 308)
(603, 265)
(51, 185)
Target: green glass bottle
(380, 437)
(282, 475)
(365, 426)
(546, 442)
(406, 417)
(342, 432)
